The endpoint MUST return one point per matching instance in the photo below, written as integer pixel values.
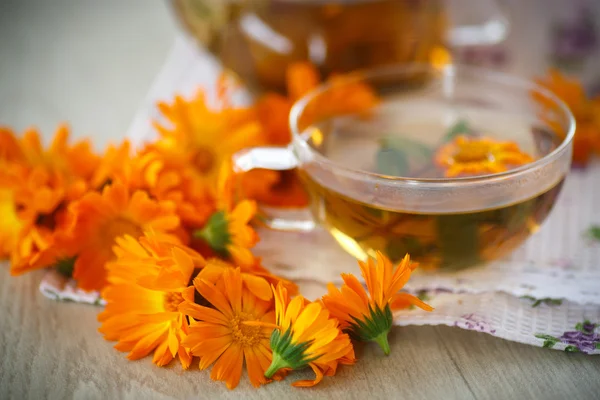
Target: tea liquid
(435, 239)
(448, 241)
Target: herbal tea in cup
(457, 167)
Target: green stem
(382, 341)
(276, 365)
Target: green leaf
(397, 155)
(459, 128)
(392, 162)
(594, 232)
(545, 337)
(598, 346)
(549, 341)
(579, 327)
(536, 303)
(553, 302)
(571, 349)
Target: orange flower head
(585, 110)
(100, 218)
(202, 138)
(256, 279)
(466, 156)
(227, 231)
(368, 317)
(115, 164)
(145, 287)
(307, 335)
(10, 223)
(37, 183)
(221, 335)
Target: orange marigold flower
(256, 278)
(275, 188)
(586, 112)
(115, 164)
(221, 336)
(307, 335)
(301, 78)
(100, 218)
(227, 231)
(167, 177)
(477, 156)
(10, 224)
(203, 138)
(36, 184)
(145, 287)
(369, 317)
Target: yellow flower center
(474, 152)
(119, 227)
(172, 300)
(204, 159)
(243, 334)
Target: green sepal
(287, 354)
(373, 326)
(65, 266)
(216, 233)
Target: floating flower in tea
(478, 156)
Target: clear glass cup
(445, 223)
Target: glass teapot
(258, 39)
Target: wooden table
(91, 62)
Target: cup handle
(476, 23)
(276, 159)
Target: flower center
(172, 300)
(243, 334)
(473, 152)
(119, 227)
(204, 159)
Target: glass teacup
(372, 175)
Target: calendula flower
(306, 335)
(10, 224)
(256, 278)
(220, 334)
(466, 156)
(100, 218)
(145, 287)
(202, 138)
(368, 317)
(170, 178)
(227, 231)
(586, 112)
(40, 182)
(115, 164)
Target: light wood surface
(91, 62)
